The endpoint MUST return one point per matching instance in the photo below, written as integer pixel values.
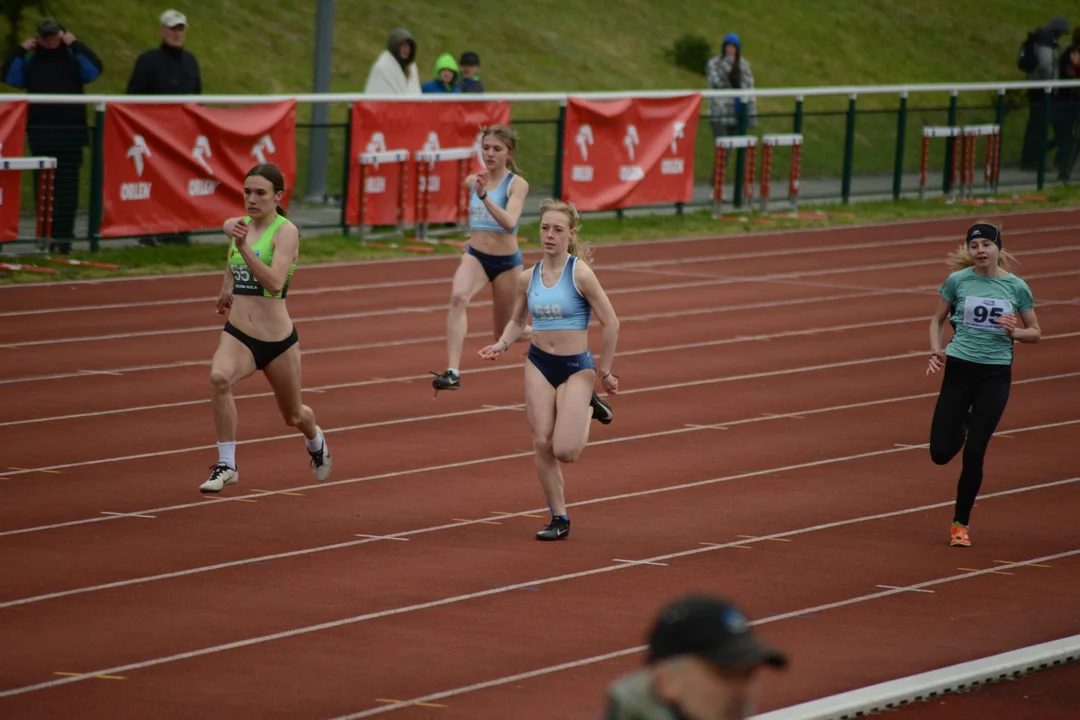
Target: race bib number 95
(980, 312)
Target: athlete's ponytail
(281, 212)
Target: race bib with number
(980, 312)
(244, 282)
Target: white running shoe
(321, 462)
(220, 476)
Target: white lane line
(455, 692)
(614, 291)
(463, 413)
(453, 600)
(494, 368)
(734, 238)
(131, 514)
(905, 588)
(512, 456)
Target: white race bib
(978, 313)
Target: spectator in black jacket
(56, 63)
(470, 73)
(168, 69)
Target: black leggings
(985, 389)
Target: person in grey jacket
(729, 71)
(702, 662)
(1046, 50)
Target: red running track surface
(768, 445)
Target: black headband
(984, 231)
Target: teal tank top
(244, 282)
(976, 301)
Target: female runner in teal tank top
(259, 334)
(989, 309)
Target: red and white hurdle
(376, 184)
(929, 133)
(792, 140)
(971, 134)
(462, 156)
(963, 158)
(46, 187)
(723, 146)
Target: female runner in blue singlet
(259, 334)
(561, 292)
(496, 199)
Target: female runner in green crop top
(259, 334)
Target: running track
(768, 445)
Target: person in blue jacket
(446, 76)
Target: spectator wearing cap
(446, 76)
(702, 664)
(168, 69)
(470, 73)
(56, 63)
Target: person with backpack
(1039, 59)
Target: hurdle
(971, 134)
(46, 188)
(723, 145)
(928, 133)
(461, 155)
(768, 142)
(373, 160)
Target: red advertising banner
(12, 138)
(176, 168)
(414, 126)
(624, 153)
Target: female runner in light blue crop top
(496, 199)
(561, 293)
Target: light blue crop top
(480, 218)
(562, 307)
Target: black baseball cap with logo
(713, 629)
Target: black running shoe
(445, 381)
(559, 529)
(601, 410)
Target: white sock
(453, 370)
(227, 454)
(314, 444)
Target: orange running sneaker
(958, 535)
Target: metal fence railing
(858, 141)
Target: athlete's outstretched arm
(517, 323)
(515, 203)
(590, 287)
(272, 277)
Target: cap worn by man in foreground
(702, 665)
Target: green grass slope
(572, 45)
